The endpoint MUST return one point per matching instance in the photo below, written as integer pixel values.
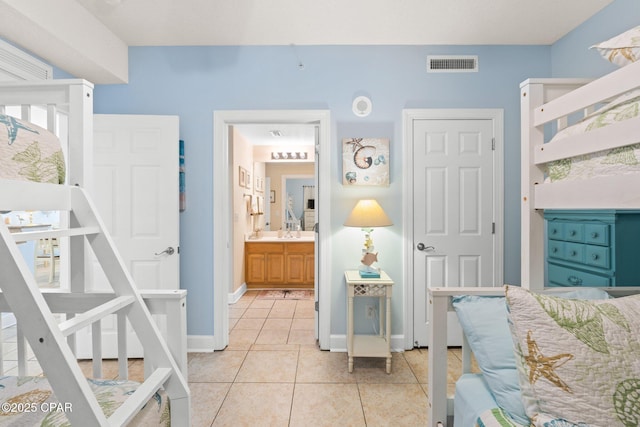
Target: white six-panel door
(136, 193)
(453, 199)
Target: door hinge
(317, 306)
(493, 144)
(493, 228)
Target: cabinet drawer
(555, 249)
(555, 230)
(597, 256)
(562, 276)
(574, 252)
(596, 234)
(574, 232)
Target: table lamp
(368, 214)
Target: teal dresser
(593, 248)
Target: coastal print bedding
(578, 361)
(616, 161)
(29, 152)
(29, 401)
(496, 418)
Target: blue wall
(571, 56)
(193, 82)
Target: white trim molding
(222, 218)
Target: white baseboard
(338, 343)
(235, 296)
(200, 343)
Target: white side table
(369, 345)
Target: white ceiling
(90, 38)
(340, 22)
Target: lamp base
(368, 272)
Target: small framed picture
(242, 177)
(272, 196)
(247, 181)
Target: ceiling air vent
(18, 65)
(452, 64)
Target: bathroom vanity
(279, 263)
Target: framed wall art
(242, 176)
(365, 161)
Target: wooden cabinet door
(275, 268)
(295, 268)
(309, 270)
(255, 269)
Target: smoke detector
(362, 106)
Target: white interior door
(453, 211)
(136, 193)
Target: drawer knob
(572, 233)
(573, 253)
(574, 280)
(594, 256)
(554, 231)
(554, 250)
(594, 235)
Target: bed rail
(169, 303)
(556, 102)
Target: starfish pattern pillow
(578, 361)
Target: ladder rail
(128, 410)
(25, 236)
(48, 340)
(78, 322)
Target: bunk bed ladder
(47, 337)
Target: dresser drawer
(562, 276)
(555, 249)
(574, 232)
(596, 234)
(598, 256)
(555, 230)
(574, 252)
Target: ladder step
(25, 236)
(140, 397)
(73, 325)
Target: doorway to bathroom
(229, 210)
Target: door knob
(168, 251)
(422, 247)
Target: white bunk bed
(551, 103)
(51, 340)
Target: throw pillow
(622, 49)
(578, 361)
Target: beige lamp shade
(367, 214)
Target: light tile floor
(274, 374)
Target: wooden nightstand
(359, 345)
